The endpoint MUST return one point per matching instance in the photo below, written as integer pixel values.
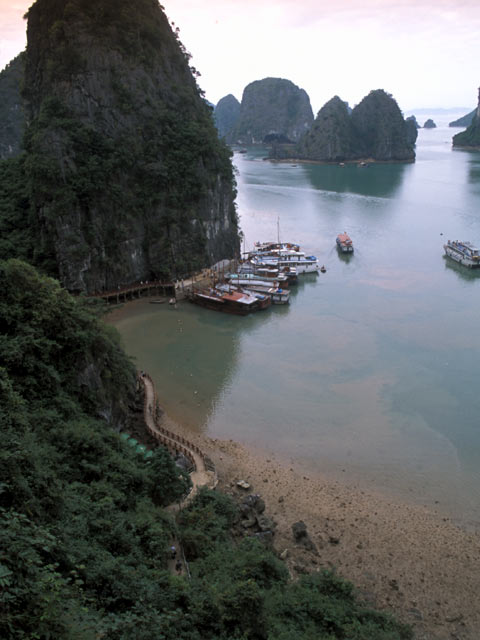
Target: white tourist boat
(288, 258)
(463, 252)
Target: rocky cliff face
(226, 115)
(272, 107)
(412, 129)
(127, 177)
(331, 136)
(12, 118)
(375, 130)
(470, 138)
(380, 128)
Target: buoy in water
(322, 269)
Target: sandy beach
(402, 558)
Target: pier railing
(174, 442)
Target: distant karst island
(272, 108)
(374, 130)
(470, 139)
(429, 124)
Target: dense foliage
(84, 537)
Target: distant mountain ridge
(464, 121)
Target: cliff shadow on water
(378, 180)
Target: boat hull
(460, 257)
(221, 305)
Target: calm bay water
(372, 372)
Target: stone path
(204, 474)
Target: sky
(424, 52)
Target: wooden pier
(137, 290)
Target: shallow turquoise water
(372, 371)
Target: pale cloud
(424, 52)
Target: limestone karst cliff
(12, 117)
(470, 138)
(331, 137)
(412, 129)
(125, 176)
(272, 107)
(226, 115)
(374, 130)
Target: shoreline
(402, 558)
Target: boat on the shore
(239, 303)
(274, 294)
(463, 252)
(344, 243)
(256, 285)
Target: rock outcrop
(375, 130)
(429, 124)
(12, 118)
(226, 115)
(464, 121)
(470, 139)
(272, 107)
(126, 176)
(331, 138)
(412, 129)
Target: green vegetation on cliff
(375, 129)
(84, 537)
(124, 175)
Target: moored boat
(344, 243)
(276, 294)
(236, 302)
(463, 252)
(286, 258)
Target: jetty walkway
(204, 474)
(137, 290)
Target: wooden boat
(344, 243)
(238, 303)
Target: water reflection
(464, 273)
(381, 180)
(191, 354)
